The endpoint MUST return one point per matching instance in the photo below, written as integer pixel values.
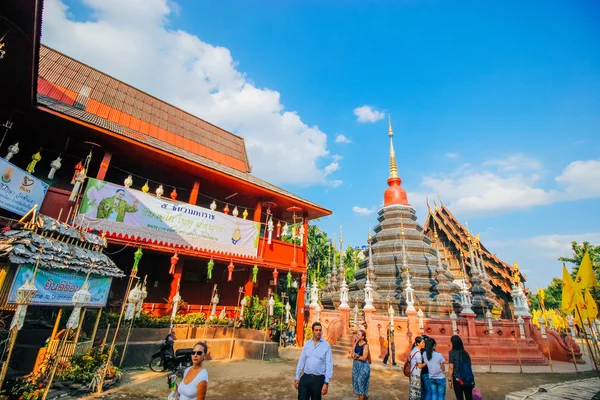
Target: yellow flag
(585, 276)
(591, 306)
(569, 298)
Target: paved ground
(250, 379)
(580, 389)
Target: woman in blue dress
(361, 370)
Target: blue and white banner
(56, 288)
(19, 190)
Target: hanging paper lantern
(160, 191)
(294, 229)
(146, 188)
(34, 160)
(173, 194)
(301, 234)
(137, 256)
(79, 179)
(254, 273)
(78, 168)
(303, 280)
(230, 268)
(174, 261)
(270, 230)
(289, 279)
(128, 181)
(226, 209)
(278, 229)
(12, 150)
(54, 166)
(210, 266)
(235, 212)
(213, 205)
(245, 213)
(285, 230)
(275, 276)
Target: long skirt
(361, 375)
(415, 388)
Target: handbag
(477, 394)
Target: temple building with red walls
(70, 111)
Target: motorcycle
(166, 359)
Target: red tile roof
(75, 84)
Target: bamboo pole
(95, 330)
(594, 339)
(266, 327)
(11, 344)
(79, 328)
(59, 350)
(105, 337)
(56, 324)
(517, 339)
(234, 318)
(127, 341)
(112, 345)
(573, 355)
(586, 341)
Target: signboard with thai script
(57, 287)
(19, 190)
(135, 215)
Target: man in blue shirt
(316, 361)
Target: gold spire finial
(393, 166)
(370, 237)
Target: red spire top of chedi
(395, 193)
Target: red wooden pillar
(258, 212)
(249, 284)
(176, 277)
(194, 194)
(300, 312)
(104, 166)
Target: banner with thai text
(136, 215)
(57, 287)
(19, 190)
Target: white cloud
(516, 162)
(363, 211)
(336, 157)
(335, 183)
(334, 166)
(342, 139)
(452, 155)
(138, 46)
(367, 114)
(472, 191)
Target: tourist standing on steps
(460, 376)
(416, 363)
(361, 370)
(437, 379)
(316, 361)
(391, 347)
(195, 378)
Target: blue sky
(494, 106)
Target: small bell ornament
(226, 209)
(128, 182)
(173, 194)
(160, 191)
(54, 166)
(213, 205)
(245, 213)
(278, 229)
(12, 150)
(146, 188)
(34, 160)
(235, 212)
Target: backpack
(465, 373)
(406, 368)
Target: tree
(578, 252)
(553, 296)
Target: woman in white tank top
(195, 378)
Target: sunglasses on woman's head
(197, 353)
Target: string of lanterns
(79, 176)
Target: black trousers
(462, 391)
(310, 387)
(385, 359)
